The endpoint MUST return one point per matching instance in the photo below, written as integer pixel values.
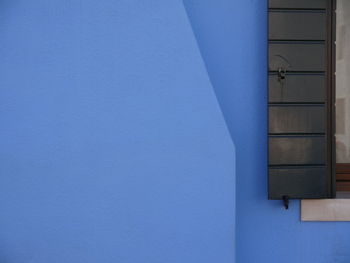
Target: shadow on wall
(211, 28)
(229, 35)
(233, 58)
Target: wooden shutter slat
(297, 119)
(297, 88)
(297, 56)
(315, 4)
(298, 182)
(297, 25)
(298, 150)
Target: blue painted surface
(112, 145)
(232, 39)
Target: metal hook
(285, 201)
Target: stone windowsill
(326, 209)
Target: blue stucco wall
(232, 38)
(112, 145)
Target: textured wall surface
(232, 37)
(112, 145)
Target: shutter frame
(301, 100)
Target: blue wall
(112, 145)
(232, 38)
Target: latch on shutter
(281, 74)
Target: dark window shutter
(301, 101)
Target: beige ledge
(325, 210)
